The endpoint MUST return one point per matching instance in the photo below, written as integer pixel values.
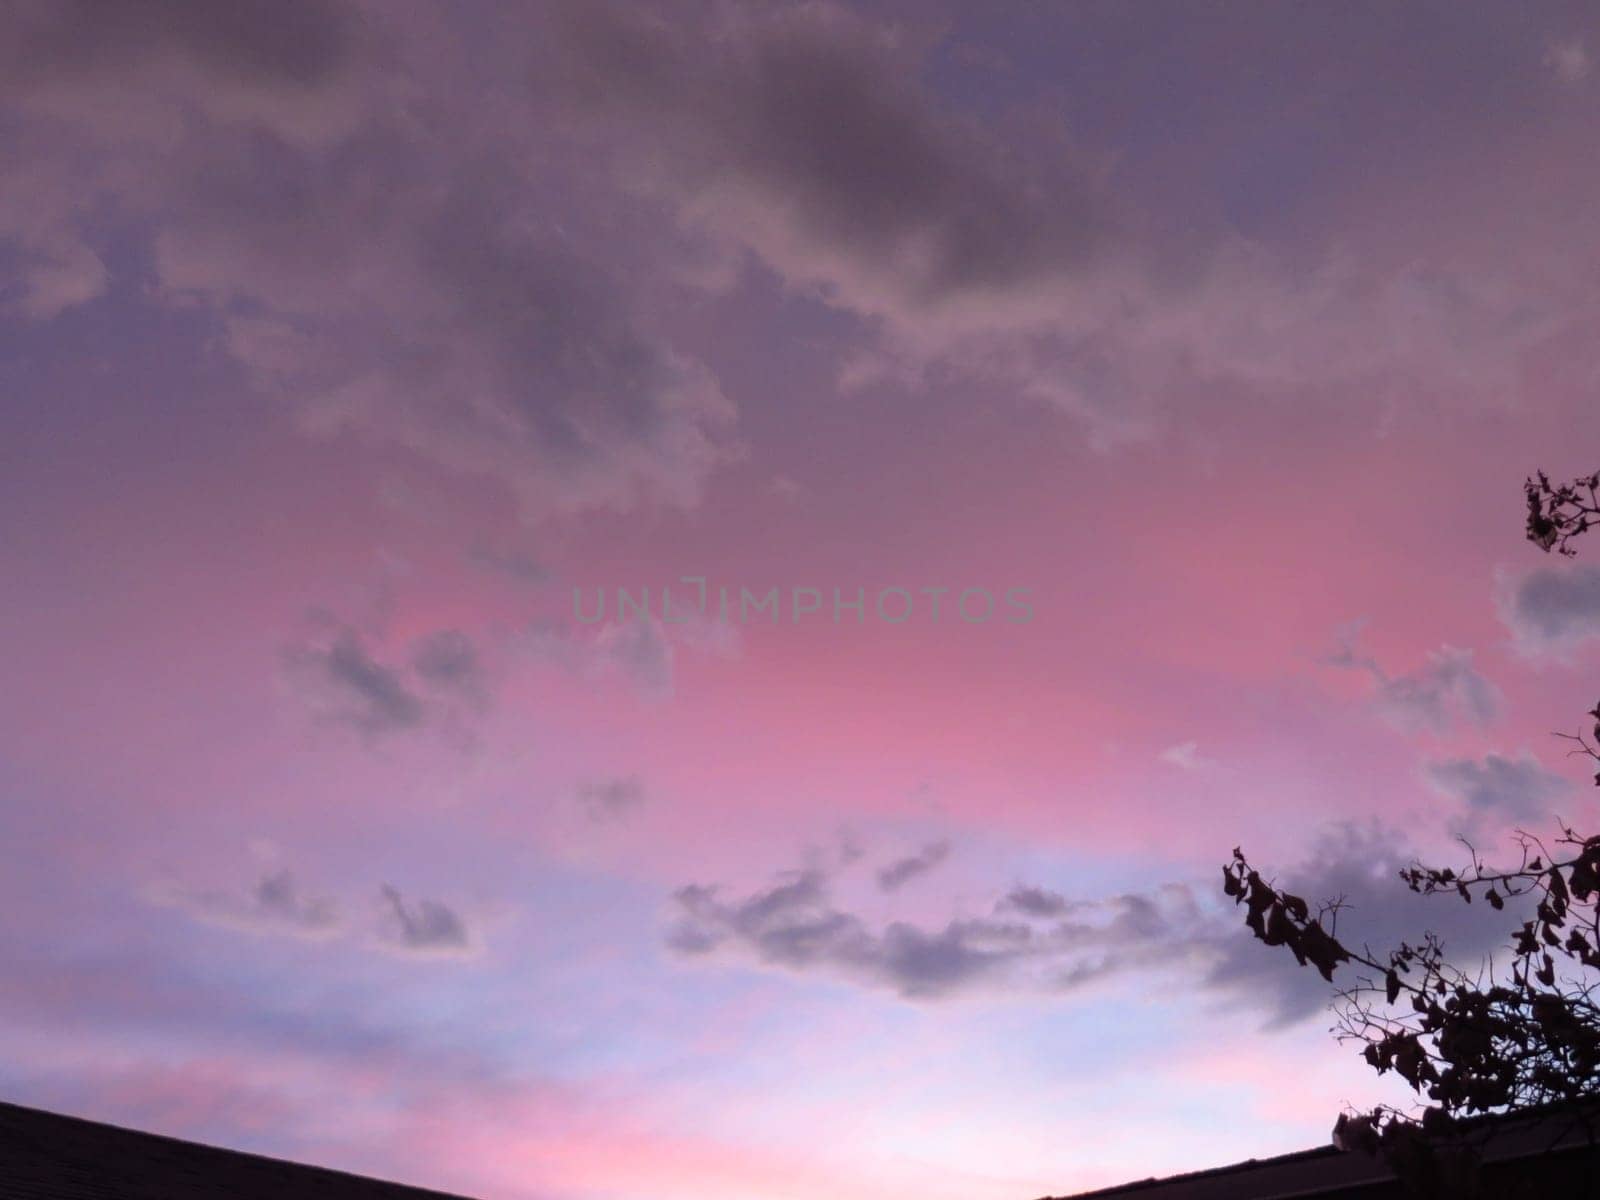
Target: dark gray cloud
(1554, 609)
(1035, 902)
(497, 295)
(805, 135)
(1441, 693)
(610, 799)
(1499, 791)
(426, 927)
(810, 137)
(289, 42)
(1038, 940)
(308, 175)
(805, 128)
(487, 343)
(95, 97)
(798, 926)
(344, 684)
(902, 871)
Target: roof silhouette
(47, 1156)
(1323, 1172)
(1534, 1153)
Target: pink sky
(342, 343)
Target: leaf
(1557, 886)
(1279, 929)
(1584, 879)
(1323, 952)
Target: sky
(619, 600)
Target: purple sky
(1197, 352)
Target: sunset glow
(351, 353)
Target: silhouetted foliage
(1524, 1035)
(1467, 1044)
(1557, 513)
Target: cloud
(345, 684)
(1035, 902)
(1038, 941)
(638, 651)
(642, 649)
(513, 564)
(796, 925)
(1568, 61)
(1446, 690)
(1499, 790)
(803, 130)
(1553, 610)
(307, 179)
(787, 489)
(1186, 757)
(95, 95)
(1438, 694)
(296, 44)
(274, 905)
(901, 872)
(610, 799)
(809, 138)
(440, 319)
(426, 927)
(1360, 866)
(497, 297)
(803, 136)
(449, 661)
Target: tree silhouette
(1557, 513)
(1469, 1044)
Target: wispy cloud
(610, 799)
(1186, 756)
(275, 905)
(902, 871)
(448, 661)
(425, 927)
(1568, 61)
(1444, 691)
(1499, 791)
